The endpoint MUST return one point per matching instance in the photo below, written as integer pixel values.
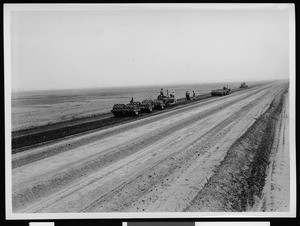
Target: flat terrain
(208, 156)
(43, 108)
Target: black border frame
(118, 222)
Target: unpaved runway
(160, 163)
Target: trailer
(147, 105)
(125, 110)
(159, 104)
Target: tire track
(75, 171)
(215, 131)
(29, 156)
(143, 186)
(239, 180)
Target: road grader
(221, 92)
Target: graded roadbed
(156, 164)
(238, 182)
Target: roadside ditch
(240, 178)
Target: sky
(89, 47)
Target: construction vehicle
(126, 110)
(133, 108)
(221, 92)
(243, 85)
(147, 105)
(166, 100)
(159, 104)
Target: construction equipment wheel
(117, 114)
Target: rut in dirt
(239, 181)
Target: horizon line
(141, 85)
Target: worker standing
(194, 95)
(161, 92)
(187, 95)
(173, 96)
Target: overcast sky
(121, 46)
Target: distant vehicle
(221, 92)
(243, 85)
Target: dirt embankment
(276, 193)
(240, 179)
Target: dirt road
(160, 163)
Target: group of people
(187, 95)
(172, 95)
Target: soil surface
(218, 154)
(32, 137)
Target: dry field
(38, 108)
(227, 153)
